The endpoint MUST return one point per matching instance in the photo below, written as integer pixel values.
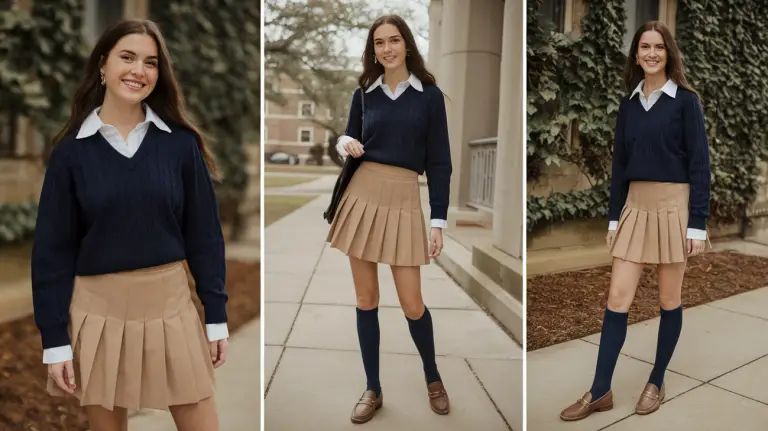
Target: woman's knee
(413, 309)
(669, 301)
(367, 300)
(619, 300)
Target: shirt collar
(93, 123)
(413, 81)
(669, 88)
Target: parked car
(282, 158)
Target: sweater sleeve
(54, 252)
(697, 149)
(619, 184)
(203, 238)
(438, 159)
(355, 122)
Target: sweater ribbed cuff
(697, 223)
(55, 336)
(215, 311)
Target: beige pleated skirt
(653, 224)
(379, 218)
(138, 341)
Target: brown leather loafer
(366, 407)
(650, 399)
(438, 398)
(585, 406)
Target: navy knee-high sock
(368, 334)
(423, 337)
(670, 326)
(611, 340)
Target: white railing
(482, 172)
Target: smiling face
(652, 53)
(389, 46)
(131, 68)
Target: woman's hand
(695, 246)
(354, 148)
(436, 242)
(218, 352)
(63, 374)
(609, 238)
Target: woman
(401, 133)
(127, 197)
(658, 206)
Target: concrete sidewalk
(313, 370)
(716, 380)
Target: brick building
(299, 123)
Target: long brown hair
(633, 72)
(413, 60)
(165, 99)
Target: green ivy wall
(725, 47)
(215, 47)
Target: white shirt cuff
(217, 331)
(613, 225)
(698, 234)
(436, 222)
(55, 355)
(343, 139)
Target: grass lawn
(279, 206)
(285, 181)
(306, 169)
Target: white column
(508, 217)
(471, 34)
(435, 47)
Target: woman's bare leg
(101, 419)
(201, 416)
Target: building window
(305, 135)
(7, 134)
(306, 109)
(638, 13)
(98, 16)
(554, 11)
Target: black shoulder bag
(349, 168)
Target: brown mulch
(24, 404)
(569, 305)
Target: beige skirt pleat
(653, 224)
(379, 218)
(138, 341)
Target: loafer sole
(578, 418)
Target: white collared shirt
(412, 81)
(127, 148)
(670, 89)
(92, 125)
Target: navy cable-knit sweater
(668, 143)
(410, 132)
(101, 212)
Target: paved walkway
(716, 380)
(313, 370)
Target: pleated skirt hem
(379, 218)
(653, 224)
(138, 341)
